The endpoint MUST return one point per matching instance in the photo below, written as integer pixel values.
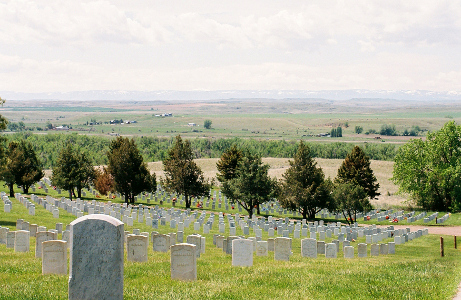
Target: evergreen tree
(127, 167)
(22, 167)
(356, 169)
(85, 173)
(351, 199)
(251, 185)
(228, 163)
(182, 174)
(66, 170)
(304, 187)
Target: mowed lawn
(416, 271)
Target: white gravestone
(22, 241)
(242, 253)
(362, 250)
(10, 235)
(3, 232)
(270, 245)
(282, 248)
(309, 248)
(136, 248)
(41, 237)
(348, 252)
(197, 241)
(320, 247)
(330, 250)
(391, 247)
(374, 250)
(183, 262)
(96, 258)
(54, 257)
(160, 242)
(262, 248)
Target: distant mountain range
(418, 95)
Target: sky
(137, 45)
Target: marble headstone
(96, 258)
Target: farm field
(290, 119)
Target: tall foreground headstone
(96, 258)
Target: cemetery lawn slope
(416, 271)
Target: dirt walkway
(445, 230)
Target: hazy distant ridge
(419, 95)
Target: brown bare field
(382, 170)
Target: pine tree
(228, 163)
(356, 169)
(304, 187)
(251, 185)
(127, 167)
(351, 199)
(182, 175)
(22, 167)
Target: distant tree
(207, 124)
(304, 187)
(103, 181)
(182, 175)
(22, 168)
(339, 132)
(228, 163)
(333, 132)
(350, 200)
(358, 129)
(252, 185)
(13, 126)
(430, 170)
(127, 167)
(388, 130)
(356, 169)
(371, 131)
(48, 125)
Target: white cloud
(78, 45)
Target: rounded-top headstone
(96, 258)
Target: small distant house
(62, 128)
(191, 124)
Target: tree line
(156, 149)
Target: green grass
(416, 271)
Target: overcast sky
(59, 46)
